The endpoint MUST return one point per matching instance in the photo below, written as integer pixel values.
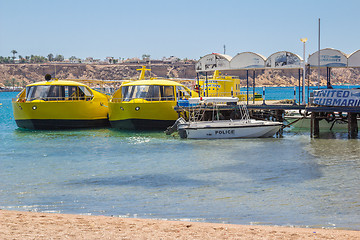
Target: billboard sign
(337, 97)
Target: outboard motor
(174, 127)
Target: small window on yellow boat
(167, 93)
(77, 93)
(57, 93)
(37, 92)
(182, 92)
(148, 93)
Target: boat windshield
(57, 93)
(181, 92)
(148, 92)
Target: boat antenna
(142, 73)
(216, 74)
(319, 57)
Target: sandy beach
(35, 225)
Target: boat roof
(153, 82)
(57, 82)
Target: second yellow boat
(146, 104)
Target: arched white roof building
(283, 59)
(354, 59)
(329, 57)
(213, 61)
(247, 60)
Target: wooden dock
(318, 113)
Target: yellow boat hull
(142, 114)
(41, 114)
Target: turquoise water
(292, 180)
(279, 93)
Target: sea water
(281, 93)
(290, 181)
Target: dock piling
(352, 125)
(314, 125)
(264, 95)
(294, 103)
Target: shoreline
(37, 225)
(250, 87)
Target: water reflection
(143, 180)
(334, 151)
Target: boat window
(153, 93)
(56, 93)
(29, 91)
(167, 93)
(77, 93)
(141, 92)
(72, 92)
(125, 92)
(148, 92)
(87, 93)
(182, 92)
(37, 92)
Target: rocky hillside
(28, 73)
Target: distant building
(89, 60)
(133, 60)
(170, 60)
(154, 61)
(109, 60)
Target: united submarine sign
(337, 97)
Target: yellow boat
(225, 86)
(59, 104)
(146, 104)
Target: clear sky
(184, 28)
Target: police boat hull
(223, 129)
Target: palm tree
(59, 58)
(21, 59)
(14, 52)
(51, 57)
